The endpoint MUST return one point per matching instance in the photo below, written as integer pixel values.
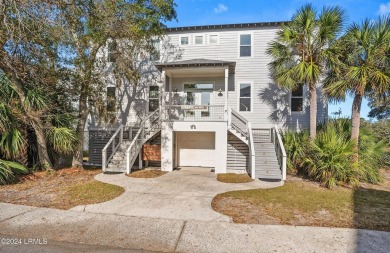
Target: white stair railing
(113, 145)
(238, 123)
(280, 152)
(148, 127)
(252, 155)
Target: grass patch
(233, 178)
(62, 189)
(92, 193)
(146, 173)
(308, 204)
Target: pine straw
(146, 173)
(234, 178)
(62, 189)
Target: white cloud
(220, 8)
(384, 9)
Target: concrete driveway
(184, 194)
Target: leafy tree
(29, 64)
(380, 105)
(360, 66)
(299, 52)
(93, 25)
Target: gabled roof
(197, 63)
(226, 26)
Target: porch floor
(184, 194)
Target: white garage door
(196, 149)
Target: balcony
(204, 113)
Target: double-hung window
(245, 45)
(213, 39)
(111, 99)
(184, 40)
(153, 98)
(111, 48)
(155, 54)
(245, 97)
(297, 99)
(199, 39)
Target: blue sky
(207, 12)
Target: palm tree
(299, 52)
(361, 66)
(57, 134)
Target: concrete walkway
(184, 194)
(169, 235)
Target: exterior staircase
(123, 154)
(266, 160)
(267, 157)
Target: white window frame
(213, 34)
(199, 35)
(239, 95)
(303, 101)
(158, 50)
(239, 44)
(189, 40)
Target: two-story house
(207, 100)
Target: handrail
(106, 160)
(239, 115)
(138, 137)
(243, 128)
(279, 147)
(252, 155)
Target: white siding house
(214, 105)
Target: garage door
(196, 149)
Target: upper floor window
(111, 99)
(153, 98)
(213, 39)
(111, 48)
(245, 45)
(198, 39)
(155, 55)
(245, 97)
(297, 99)
(184, 40)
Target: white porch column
(166, 146)
(226, 86)
(162, 96)
(170, 90)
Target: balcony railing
(196, 113)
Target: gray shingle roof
(197, 63)
(225, 26)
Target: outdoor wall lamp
(220, 92)
(175, 90)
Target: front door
(201, 96)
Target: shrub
(295, 143)
(9, 170)
(329, 157)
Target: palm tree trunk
(356, 106)
(77, 161)
(43, 154)
(313, 110)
